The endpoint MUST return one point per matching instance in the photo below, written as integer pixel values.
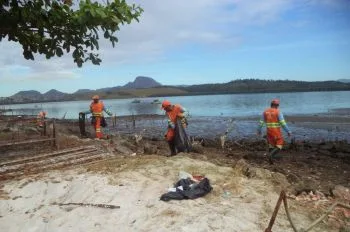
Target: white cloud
(165, 25)
(13, 67)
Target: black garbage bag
(182, 141)
(93, 120)
(185, 183)
(103, 122)
(190, 190)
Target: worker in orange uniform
(96, 108)
(173, 112)
(40, 119)
(274, 120)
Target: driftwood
(89, 205)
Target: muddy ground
(309, 166)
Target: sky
(201, 41)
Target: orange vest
(174, 113)
(272, 121)
(97, 109)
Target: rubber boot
(268, 155)
(172, 148)
(273, 154)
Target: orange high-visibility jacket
(174, 113)
(274, 120)
(177, 111)
(97, 109)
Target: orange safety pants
(275, 138)
(170, 135)
(97, 127)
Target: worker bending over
(173, 112)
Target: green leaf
(101, 13)
(66, 8)
(115, 39)
(106, 34)
(115, 19)
(75, 54)
(93, 12)
(28, 55)
(59, 52)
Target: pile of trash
(188, 187)
(309, 196)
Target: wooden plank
(26, 142)
(38, 160)
(37, 165)
(51, 167)
(51, 154)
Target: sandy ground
(135, 184)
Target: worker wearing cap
(274, 120)
(41, 118)
(96, 108)
(173, 112)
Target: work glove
(184, 122)
(171, 124)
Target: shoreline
(181, 95)
(308, 127)
(334, 115)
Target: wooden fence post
(44, 127)
(82, 121)
(54, 134)
(114, 120)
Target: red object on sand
(198, 178)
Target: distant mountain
(344, 80)
(148, 87)
(108, 89)
(80, 91)
(53, 95)
(142, 83)
(266, 86)
(30, 95)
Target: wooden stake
(54, 134)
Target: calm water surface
(234, 105)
